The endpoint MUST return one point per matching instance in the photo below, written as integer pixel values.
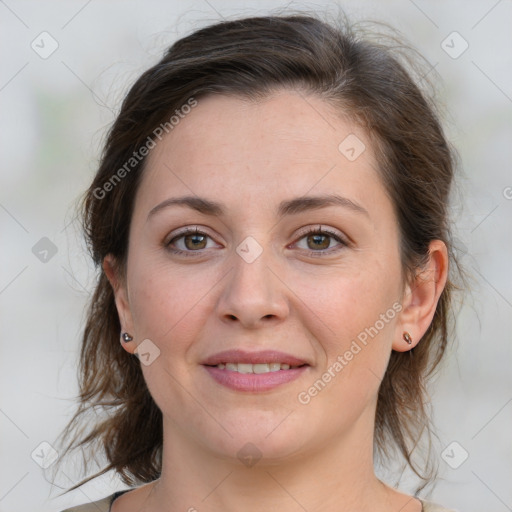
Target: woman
(270, 216)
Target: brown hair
(251, 58)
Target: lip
(254, 382)
(263, 356)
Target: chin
(266, 437)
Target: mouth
(255, 368)
(263, 361)
(254, 371)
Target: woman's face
(263, 227)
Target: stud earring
(126, 337)
(407, 337)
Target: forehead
(286, 144)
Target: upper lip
(242, 356)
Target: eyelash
(182, 234)
(323, 231)
(310, 231)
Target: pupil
(195, 241)
(319, 241)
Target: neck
(330, 477)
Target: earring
(407, 337)
(126, 337)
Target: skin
(300, 296)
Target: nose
(253, 295)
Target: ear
(421, 297)
(118, 283)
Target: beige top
(105, 504)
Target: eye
(320, 240)
(190, 240)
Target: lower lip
(254, 382)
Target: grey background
(54, 113)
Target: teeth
(254, 368)
(261, 368)
(245, 368)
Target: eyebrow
(306, 203)
(204, 206)
(290, 207)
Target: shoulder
(428, 506)
(95, 506)
(104, 505)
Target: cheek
(167, 305)
(169, 308)
(354, 304)
(354, 332)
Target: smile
(254, 368)
(254, 372)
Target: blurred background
(65, 69)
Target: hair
(367, 81)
